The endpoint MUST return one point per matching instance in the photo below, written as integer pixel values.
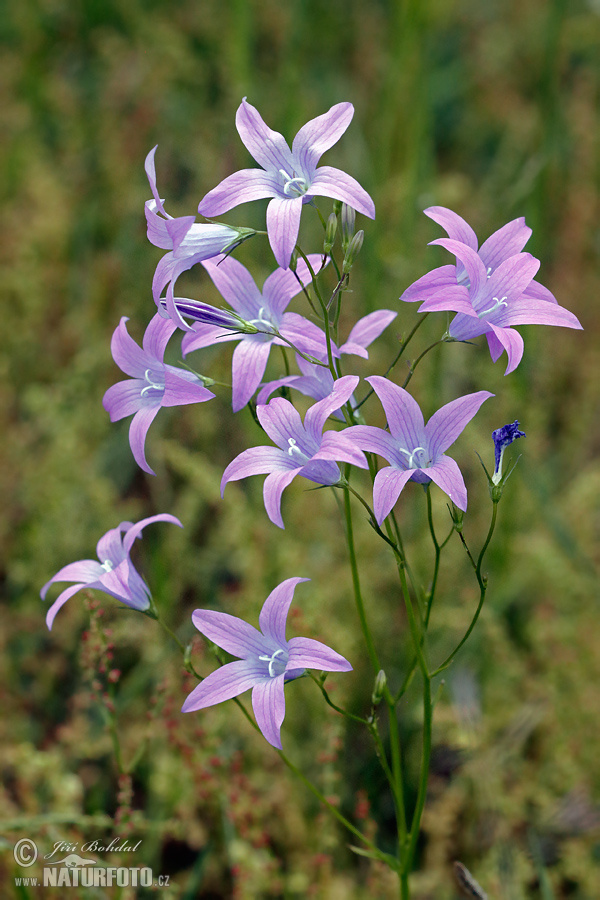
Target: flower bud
(348, 218)
(378, 688)
(330, 232)
(352, 252)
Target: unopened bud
(378, 688)
(330, 233)
(348, 218)
(352, 252)
(458, 517)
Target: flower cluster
(491, 289)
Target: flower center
(150, 384)
(417, 458)
(107, 565)
(294, 186)
(294, 450)
(276, 665)
(492, 309)
(263, 321)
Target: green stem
(360, 606)
(398, 356)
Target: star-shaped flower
(290, 177)
(415, 450)
(302, 449)
(115, 574)
(266, 310)
(266, 660)
(188, 242)
(152, 385)
(491, 289)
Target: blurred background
(488, 108)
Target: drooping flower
(152, 383)
(114, 574)
(502, 437)
(188, 242)
(302, 449)
(415, 450)
(290, 177)
(491, 290)
(266, 660)
(266, 310)
(317, 381)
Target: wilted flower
(266, 660)
(114, 574)
(290, 177)
(152, 385)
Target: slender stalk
(398, 356)
(360, 606)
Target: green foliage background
(488, 108)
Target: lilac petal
(129, 357)
(512, 276)
(475, 269)
(537, 291)
(495, 347)
(446, 474)
(374, 440)
(205, 336)
(84, 570)
(507, 241)
(241, 187)
(269, 148)
(386, 490)
(178, 229)
(331, 182)
(138, 430)
(230, 633)
(318, 413)
(527, 311)
(339, 448)
(268, 703)
(123, 398)
(273, 488)
(150, 169)
(60, 601)
(429, 284)
(283, 284)
(125, 583)
(303, 334)
(235, 284)
(512, 343)
(448, 422)
(182, 388)
(454, 225)
(283, 224)
(270, 387)
(156, 336)
(306, 653)
(256, 461)
(281, 421)
(320, 134)
(321, 471)
(454, 297)
(110, 545)
(273, 615)
(224, 683)
(367, 329)
(249, 362)
(136, 529)
(157, 227)
(403, 414)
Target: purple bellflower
(317, 381)
(152, 383)
(188, 242)
(290, 177)
(115, 574)
(266, 660)
(491, 290)
(302, 449)
(266, 311)
(502, 437)
(415, 450)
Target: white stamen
(296, 185)
(107, 565)
(411, 454)
(271, 660)
(151, 386)
(496, 305)
(294, 450)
